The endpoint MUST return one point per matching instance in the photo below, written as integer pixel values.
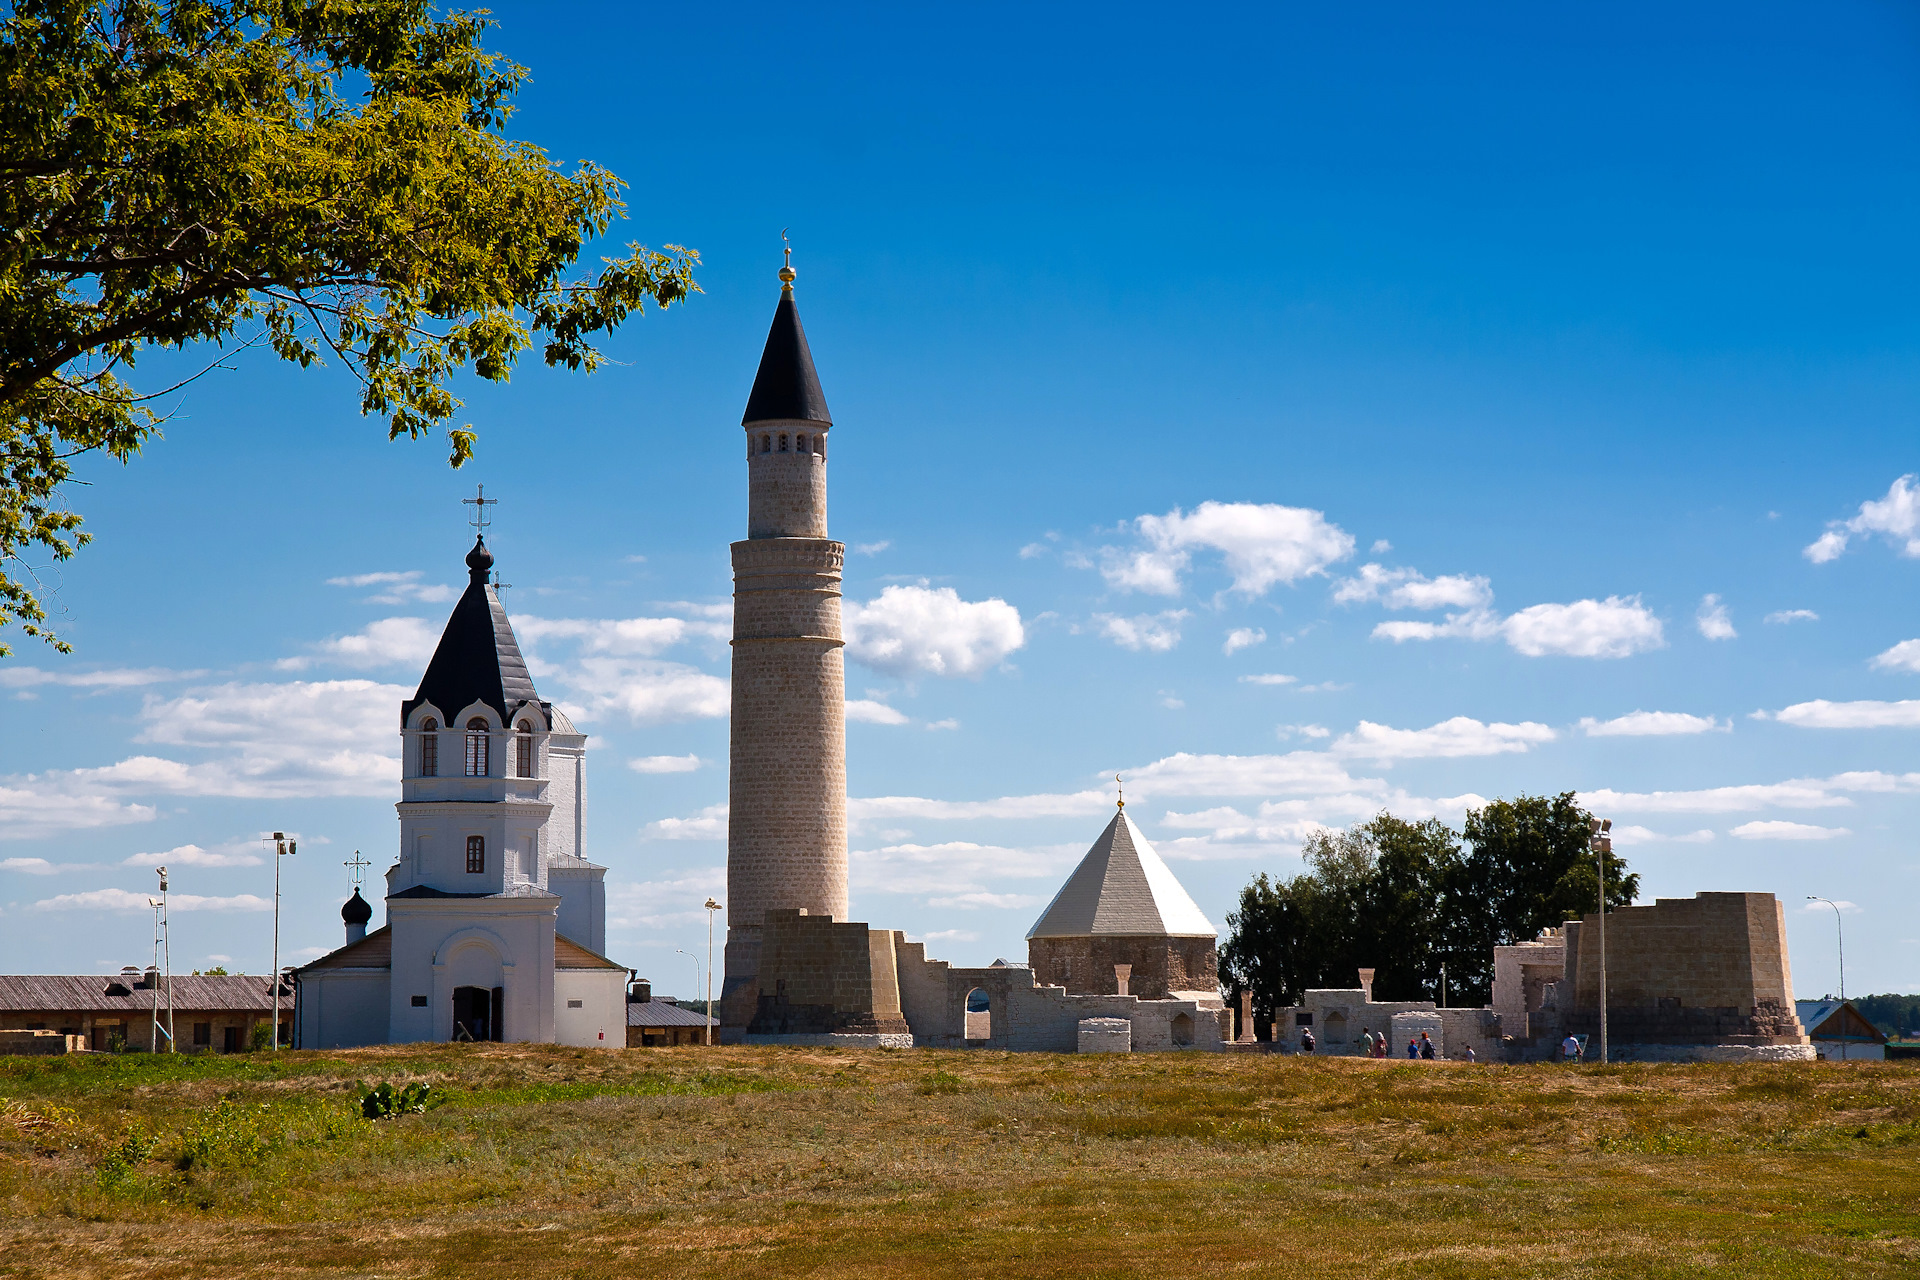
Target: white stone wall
(601, 1020)
(439, 944)
(1105, 1035)
(342, 1008)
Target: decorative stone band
(835, 641)
(819, 554)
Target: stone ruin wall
(1161, 965)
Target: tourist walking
(1426, 1047)
(1306, 1041)
(1366, 1038)
(1413, 1049)
(1570, 1049)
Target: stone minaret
(787, 787)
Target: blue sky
(1493, 377)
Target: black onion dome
(786, 388)
(357, 910)
(479, 560)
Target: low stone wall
(838, 1040)
(1106, 1035)
(40, 1043)
(1706, 1052)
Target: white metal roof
(1122, 887)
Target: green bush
(384, 1102)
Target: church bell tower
(787, 786)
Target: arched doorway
(978, 1023)
(1182, 1031)
(1335, 1027)
(476, 1013)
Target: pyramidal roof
(478, 659)
(1121, 887)
(786, 388)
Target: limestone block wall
(1707, 969)
(1522, 975)
(1105, 1035)
(786, 479)
(1337, 1018)
(820, 976)
(1161, 965)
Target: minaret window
(523, 751)
(766, 444)
(800, 446)
(783, 442)
(476, 855)
(477, 763)
(429, 748)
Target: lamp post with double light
(282, 848)
(1600, 839)
(712, 907)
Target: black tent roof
(478, 659)
(786, 388)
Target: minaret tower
(787, 790)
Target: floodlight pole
(1840, 935)
(282, 848)
(166, 959)
(1598, 836)
(712, 907)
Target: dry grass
(762, 1163)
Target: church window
(783, 442)
(476, 855)
(523, 751)
(477, 763)
(429, 748)
(766, 444)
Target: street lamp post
(282, 848)
(1600, 838)
(162, 964)
(1840, 935)
(712, 907)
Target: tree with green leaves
(331, 179)
(1409, 901)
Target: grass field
(765, 1162)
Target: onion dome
(357, 910)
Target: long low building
(211, 1013)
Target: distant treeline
(1895, 1015)
(1408, 898)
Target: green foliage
(218, 971)
(126, 1154)
(384, 1102)
(1408, 899)
(940, 1082)
(326, 179)
(260, 1038)
(1895, 1015)
(230, 1136)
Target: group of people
(1378, 1046)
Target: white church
(496, 924)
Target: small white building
(1840, 1032)
(496, 925)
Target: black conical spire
(786, 388)
(478, 659)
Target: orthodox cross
(359, 866)
(479, 502)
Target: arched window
(800, 446)
(783, 442)
(429, 748)
(476, 854)
(977, 1020)
(477, 748)
(523, 751)
(820, 445)
(766, 444)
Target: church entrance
(476, 1013)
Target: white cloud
(397, 588)
(1821, 714)
(12, 677)
(617, 637)
(1460, 736)
(937, 726)
(971, 901)
(959, 869)
(1033, 550)
(871, 548)
(1904, 656)
(1895, 517)
(1713, 620)
(30, 866)
(1649, 724)
(1795, 793)
(1628, 835)
(1269, 679)
(1616, 627)
(1846, 908)
(1243, 638)
(1261, 543)
(38, 805)
(1304, 730)
(389, 642)
(1612, 628)
(1781, 616)
(863, 811)
(658, 905)
(192, 855)
(1785, 831)
(1296, 772)
(1153, 632)
(867, 711)
(1380, 547)
(301, 738)
(918, 630)
(645, 691)
(665, 764)
(122, 900)
(1408, 589)
(709, 824)
(1171, 702)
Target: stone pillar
(1122, 974)
(1366, 984)
(787, 788)
(1246, 1019)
